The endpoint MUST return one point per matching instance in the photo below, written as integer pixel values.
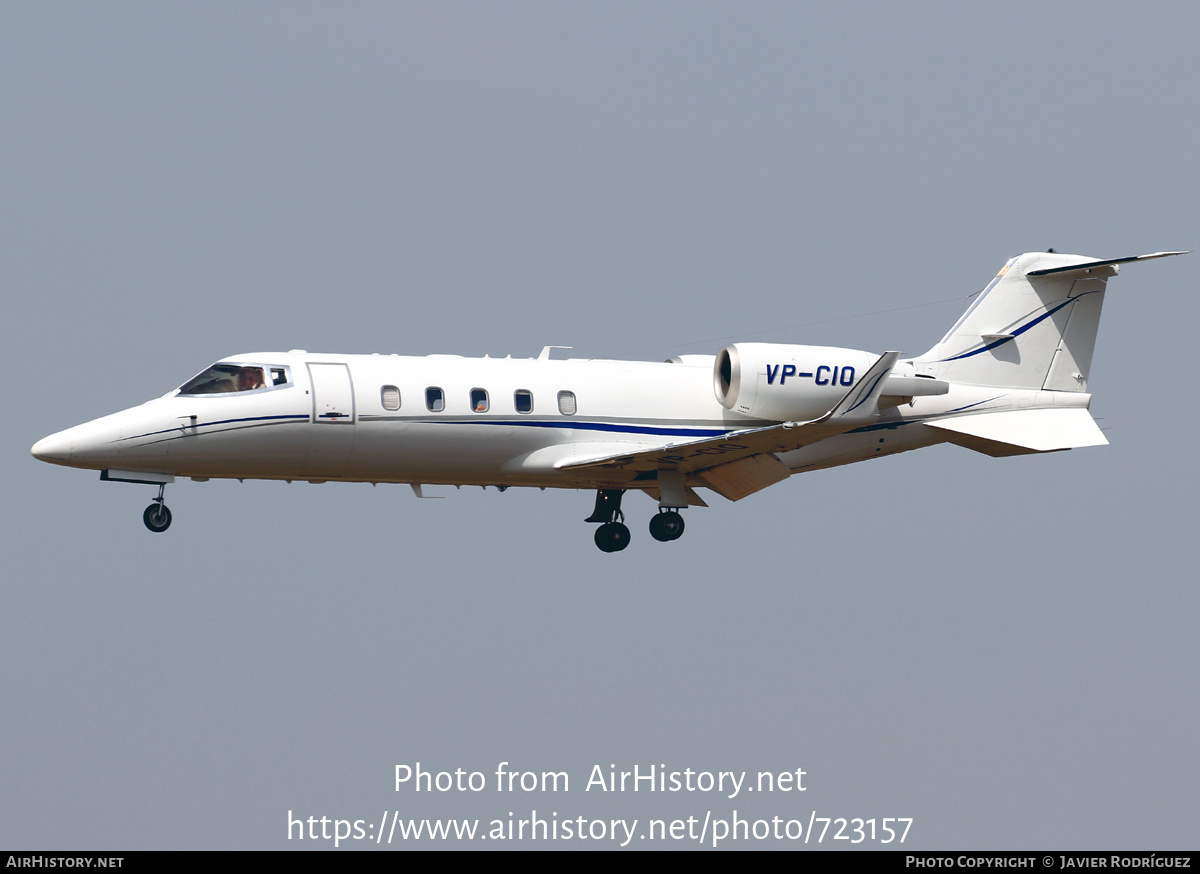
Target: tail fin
(1034, 326)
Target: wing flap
(737, 479)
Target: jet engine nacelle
(786, 383)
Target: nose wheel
(157, 517)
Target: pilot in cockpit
(249, 378)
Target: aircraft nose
(56, 447)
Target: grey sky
(1003, 649)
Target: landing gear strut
(612, 535)
(157, 517)
(667, 525)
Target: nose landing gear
(157, 517)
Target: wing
(742, 462)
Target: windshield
(225, 378)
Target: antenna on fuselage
(544, 355)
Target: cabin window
(523, 400)
(225, 378)
(566, 403)
(479, 400)
(435, 399)
(389, 396)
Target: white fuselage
(479, 421)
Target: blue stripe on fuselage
(210, 424)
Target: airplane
(1009, 378)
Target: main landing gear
(613, 535)
(157, 517)
(667, 525)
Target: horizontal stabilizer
(1042, 430)
(1092, 265)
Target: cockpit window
(228, 378)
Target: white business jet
(1010, 377)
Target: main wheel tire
(157, 517)
(666, 526)
(658, 528)
(672, 524)
(612, 537)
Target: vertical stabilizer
(1034, 326)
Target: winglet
(862, 401)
